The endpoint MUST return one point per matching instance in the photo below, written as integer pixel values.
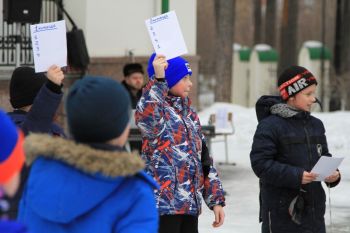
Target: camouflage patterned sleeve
(150, 109)
(213, 192)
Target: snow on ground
(241, 183)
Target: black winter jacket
(134, 99)
(286, 143)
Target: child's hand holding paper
(332, 178)
(325, 168)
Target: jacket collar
(286, 111)
(109, 162)
(181, 105)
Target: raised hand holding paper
(49, 44)
(325, 166)
(166, 35)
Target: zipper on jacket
(310, 158)
(308, 144)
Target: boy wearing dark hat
(133, 81)
(287, 144)
(173, 148)
(35, 98)
(89, 184)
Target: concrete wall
(113, 27)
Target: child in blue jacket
(89, 184)
(287, 144)
(173, 148)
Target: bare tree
(224, 13)
(257, 21)
(342, 49)
(288, 50)
(270, 23)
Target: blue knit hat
(98, 109)
(11, 148)
(177, 69)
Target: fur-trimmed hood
(68, 180)
(81, 156)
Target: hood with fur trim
(68, 180)
(81, 156)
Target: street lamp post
(165, 6)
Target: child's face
(304, 99)
(182, 88)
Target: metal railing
(15, 41)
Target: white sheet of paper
(222, 124)
(326, 166)
(49, 42)
(166, 36)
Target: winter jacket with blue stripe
(172, 145)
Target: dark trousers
(178, 224)
(136, 145)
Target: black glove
(296, 208)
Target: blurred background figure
(133, 81)
(11, 163)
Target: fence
(15, 42)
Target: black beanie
(293, 80)
(98, 109)
(24, 86)
(132, 68)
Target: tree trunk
(257, 21)
(338, 36)
(224, 11)
(270, 23)
(345, 38)
(344, 68)
(289, 42)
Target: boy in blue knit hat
(174, 148)
(11, 162)
(89, 184)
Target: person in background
(11, 163)
(173, 148)
(35, 98)
(287, 144)
(133, 81)
(89, 183)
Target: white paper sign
(222, 123)
(166, 35)
(325, 166)
(49, 44)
